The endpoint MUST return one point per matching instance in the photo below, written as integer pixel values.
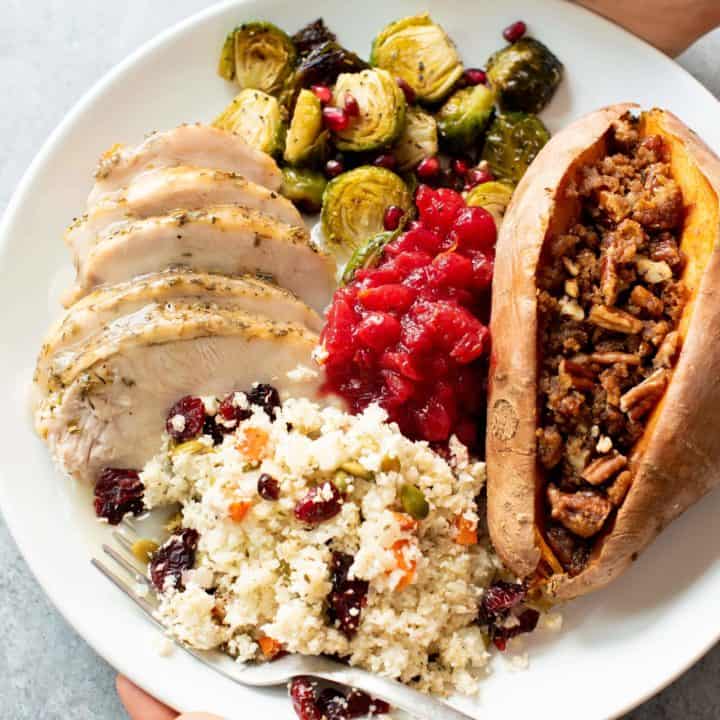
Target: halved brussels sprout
(494, 196)
(306, 140)
(421, 53)
(464, 117)
(257, 55)
(524, 75)
(257, 118)
(368, 254)
(418, 140)
(382, 110)
(304, 187)
(354, 205)
(511, 144)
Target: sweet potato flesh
(615, 283)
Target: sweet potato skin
(678, 459)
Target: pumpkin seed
(144, 549)
(414, 502)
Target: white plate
(617, 647)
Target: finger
(139, 705)
(198, 716)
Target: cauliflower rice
(267, 575)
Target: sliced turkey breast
(159, 191)
(197, 145)
(104, 306)
(116, 393)
(224, 239)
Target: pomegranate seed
(303, 692)
(333, 168)
(315, 508)
(460, 167)
(351, 105)
(428, 168)
(173, 558)
(185, 419)
(393, 216)
(386, 160)
(335, 118)
(477, 176)
(323, 93)
(474, 76)
(118, 492)
(512, 33)
(407, 90)
(268, 487)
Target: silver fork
(279, 671)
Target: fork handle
(419, 705)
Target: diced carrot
(238, 510)
(466, 531)
(269, 646)
(407, 567)
(253, 443)
(406, 522)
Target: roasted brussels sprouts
(257, 118)
(323, 64)
(257, 55)
(494, 196)
(418, 140)
(306, 140)
(354, 204)
(382, 110)
(304, 187)
(368, 254)
(511, 144)
(309, 37)
(464, 117)
(524, 75)
(421, 53)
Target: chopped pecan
(550, 446)
(609, 282)
(618, 490)
(583, 513)
(665, 249)
(569, 549)
(668, 350)
(602, 469)
(614, 320)
(610, 358)
(642, 298)
(577, 376)
(651, 388)
(571, 266)
(651, 271)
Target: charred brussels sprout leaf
(304, 187)
(524, 75)
(511, 144)
(421, 53)
(418, 140)
(354, 204)
(257, 118)
(367, 255)
(493, 196)
(313, 34)
(382, 110)
(306, 140)
(464, 117)
(262, 57)
(323, 64)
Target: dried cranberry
(407, 90)
(303, 692)
(268, 487)
(335, 118)
(332, 704)
(323, 93)
(315, 507)
(428, 168)
(360, 704)
(474, 76)
(230, 413)
(266, 396)
(501, 597)
(186, 418)
(393, 216)
(211, 428)
(477, 176)
(527, 621)
(351, 105)
(348, 597)
(333, 168)
(118, 492)
(175, 557)
(512, 33)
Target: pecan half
(618, 490)
(610, 358)
(609, 282)
(614, 320)
(642, 298)
(602, 469)
(582, 513)
(650, 389)
(668, 350)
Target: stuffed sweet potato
(604, 398)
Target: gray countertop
(50, 52)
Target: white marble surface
(51, 51)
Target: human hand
(140, 706)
